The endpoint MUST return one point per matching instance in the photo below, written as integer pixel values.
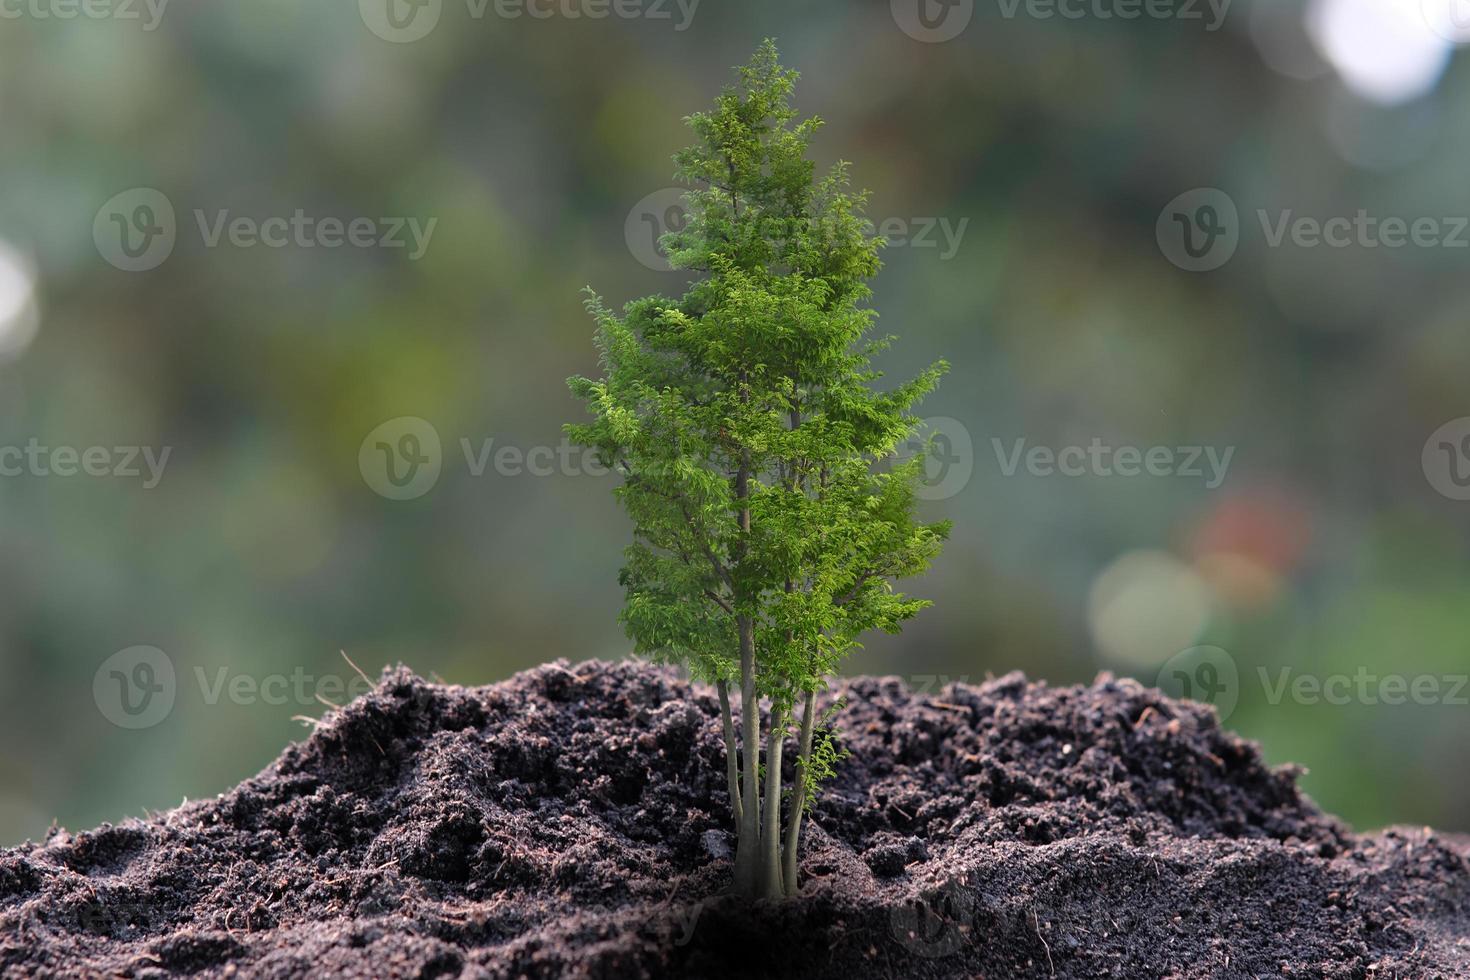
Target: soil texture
(573, 822)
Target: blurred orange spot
(1268, 527)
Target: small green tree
(758, 462)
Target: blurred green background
(1022, 165)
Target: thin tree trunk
(747, 848)
(798, 794)
(771, 886)
(732, 766)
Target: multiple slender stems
(765, 861)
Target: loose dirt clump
(573, 822)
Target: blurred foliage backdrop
(1041, 153)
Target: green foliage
(755, 449)
(821, 763)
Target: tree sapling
(760, 466)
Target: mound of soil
(573, 822)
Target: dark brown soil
(572, 822)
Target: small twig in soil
(1036, 924)
(952, 707)
(355, 666)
